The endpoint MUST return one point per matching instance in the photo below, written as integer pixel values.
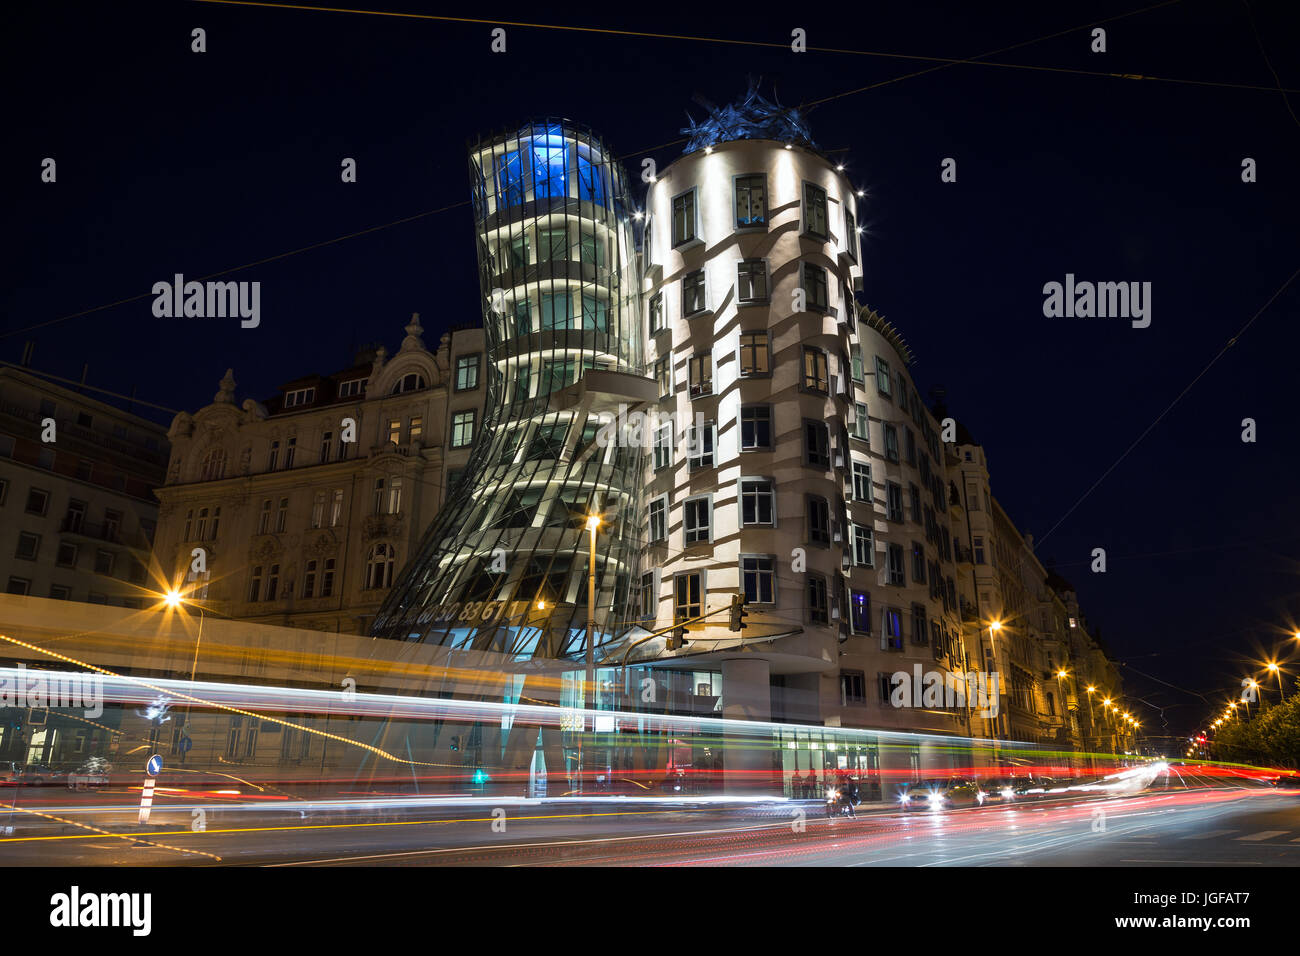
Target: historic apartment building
(77, 512)
(303, 507)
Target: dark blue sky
(170, 161)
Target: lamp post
(1091, 726)
(175, 600)
(1278, 671)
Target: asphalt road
(1185, 821)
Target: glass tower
(504, 566)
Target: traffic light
(455, 743)
(677, 639)
(738, 612)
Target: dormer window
(411, 382)
(299, 396)
(354, 387)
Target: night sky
(171, 161)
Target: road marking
(1209, 833)
(1263, 835)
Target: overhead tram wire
(944, 63)
(769, 44)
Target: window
(38, 501)
(819, 521)
(864, 546)
(862, 489)
(816, 444)
(757, 502)
(547, 441)
(918, 563)
(915, 494)
(309, 580)
(814, 286)
(289, 452)
(552, 245)
(646, 597)
(751, 280)
(299, 396)
(664, 375)
(201, 526)
(104, 561)
(700, 374)
(979, 559)
(318, 509)
(684, 218)
(860, 612)
(751, 201)
(60, 592)
(350, 388)
(693, 292)
(659, 518)
(891, 630)
(688, 596)
(697, 519)
(901, 392)
(818, 600)
(700, 446)
(816, 378)
(909, 445)
(273, 458)
(462, 429)
(282, 516)
(882, 376)
(387, 496)
(861, 422)
(663, 446)
(920, 630)
(20, 586)
(758, 578)
(326, 443)
(263, 518)
(67, 556)
(327, 579)
(254, 583)
(466, 372)
(591, 250)
(755, 427)
(115, 523)
(894, 501)
(755, 354)
(814, 211)
(411, 382)
(656, 313)
(894, 567)
(414, 428)
(213, 467)
(853, 687)
(595, 313)
(891, 443)
(28, 546)
(850, 235)
(523, 317)
(75, 518)
(379, 566)
(272, 584)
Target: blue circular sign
(154, 766)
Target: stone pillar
(747, 695)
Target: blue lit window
(591, 185)
(523, 317)
(510, 179)
(550, 165)
(556, 309)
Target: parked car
(93, 773)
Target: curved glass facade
(504, 567)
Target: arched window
(413, 381)
(213, 466)
(379, 566)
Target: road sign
(154, 766)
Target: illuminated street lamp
(589, 684)
(174, 599)
(1278, 671)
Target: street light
(174, 599)
(1278, 671)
